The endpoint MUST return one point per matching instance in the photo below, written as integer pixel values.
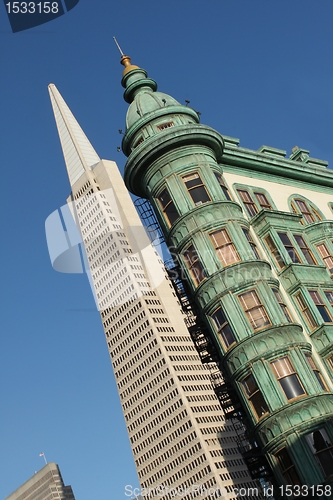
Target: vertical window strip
(288, 378)
(326, 256)
(224, 247)
(329, 296)
(254, 310)
(321, 307)
(251, 242)
(306, 311)
(168, 206)
(287, 468)
(283, 306)
(316, 371)
(289, 248)
(249, 204)
(194, 265)
(330, 361)
(254, 395)
(274, 251)
(223, 186)
(304, 249)
(223, 328)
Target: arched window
(306, 208)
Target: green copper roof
(145, 102)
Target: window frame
(306, 311)
(293, 374)
(320, 305)
(310, 214)
(329, 360)
(329, 256)
(164, 207)
(218, 249)
(283, 306)
(196, 186)
(220, 328)
(289, 473)
(258, 306)
(290, 247)
(305, 249)
(220, 179)
(248, 202)
(165, 125)
(251, 242)
(252, 396)
(318, 454)
(274, 252)
(263, 206)
(316, 371)
(194, 264)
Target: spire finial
(125, 60)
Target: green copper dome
(146, 102)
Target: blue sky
(257, 70)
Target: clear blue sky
(256, 69)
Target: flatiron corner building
(251, 235)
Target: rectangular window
(196, 188)
(224, 188)
(225, 248)
(249, 204)
(305, 211)
(322, 450)
(326, 256)
(283, 306)
(306, 311)
(322, 309)
(316, 371)
(194, 265)
(289, 247)
(255, 311)
(255, 396)
(329, 296)
(168, 206)
(287, 467)
(274, 251)
(251, 242)
(330, 361)
(287, 377)
(223, 328)
(263, 201)
(304, 249)
(163, 126)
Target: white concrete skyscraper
(179, 437)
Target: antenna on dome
(115, 41)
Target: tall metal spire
(78, 152)
(115, 41)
